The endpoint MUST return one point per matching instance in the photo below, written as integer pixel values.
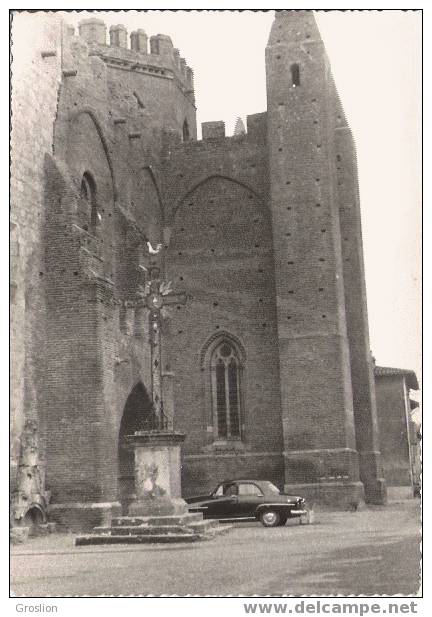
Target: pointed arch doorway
(138, 415)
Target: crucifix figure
(158, 294)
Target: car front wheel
(270, 518)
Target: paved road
(375, 551)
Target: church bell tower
(320, 450)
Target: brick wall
(392, 420)
(36, 78)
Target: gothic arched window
(226, 393)
(88, 196)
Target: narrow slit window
(186, 134)
(88, 197)
(295, 75)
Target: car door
(249, 497)
(223, 502)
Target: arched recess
(178, 203)
(73, 117)
(137, 415)
(87, 152)
(221, 255)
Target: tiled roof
(388, 371)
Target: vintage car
(246, 500)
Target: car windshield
(272, 488)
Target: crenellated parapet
(155, 55)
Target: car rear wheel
(270, 518)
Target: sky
(376, 62)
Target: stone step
(180, 519)
(119, 530)
(142, 530)
(201, 530)
(137, 539)
(204, 525)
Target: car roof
(244, 480)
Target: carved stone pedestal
(157, 473)
(158, 513)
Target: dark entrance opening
(138, 415)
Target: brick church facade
(267, 367)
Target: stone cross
(155, 296)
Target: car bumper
(298, 512)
